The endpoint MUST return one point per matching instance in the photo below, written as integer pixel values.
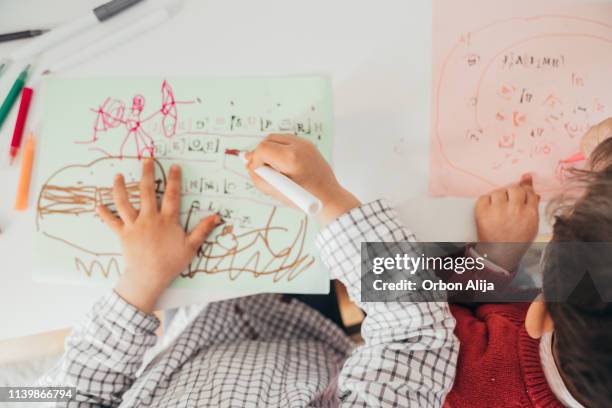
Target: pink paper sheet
(516, 84)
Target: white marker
(305, 201)
(146, 22)
(48, 40)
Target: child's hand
(507, 215)
(300, 160)
(156, 249)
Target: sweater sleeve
(410, 351)
(104, 352)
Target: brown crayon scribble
(74, 197)
(82, 199)
(68, 196)
(220, 255)
(97, 266)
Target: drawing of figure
(142, 141)
(109, 115)
(137, 140)
(168, 110)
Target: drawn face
(109, 115)
(138, 103)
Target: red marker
(575, 158)
(232, 152)
(24, 107)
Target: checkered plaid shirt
(265, 351)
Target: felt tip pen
(24, 107)
(3, 65)
(23, 188)
(72, 28)
(13, 93)
(21, 34)
(140, 24)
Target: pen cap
(295, 193)
(107, 10)
(24, 106)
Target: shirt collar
(553, 377)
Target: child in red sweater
(547, 353)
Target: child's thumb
(198, 235)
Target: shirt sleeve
(410, 352)
(104, 352)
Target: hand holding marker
(305, 201)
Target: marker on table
(24, 106)
(145, 22)
(3, 64)
(18, 35)
(8, 103)
(575, 158)
(65, 31)
(23, 188)
(305, 201)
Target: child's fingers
(517, 194)
(109, 219)
(483, 201)
(499, 196)
(198, 235)
(526, 181)
(533, 198)
(286, 138)
(148, 201)
(120, 195)
(279, 156)
(171, 204)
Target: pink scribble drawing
(112, 114)
(527, 99)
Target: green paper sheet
(95, 128)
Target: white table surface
(377, 52)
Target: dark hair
(578, 278)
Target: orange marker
(23, 188)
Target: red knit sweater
(499, 364)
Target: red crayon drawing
(112, 113)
